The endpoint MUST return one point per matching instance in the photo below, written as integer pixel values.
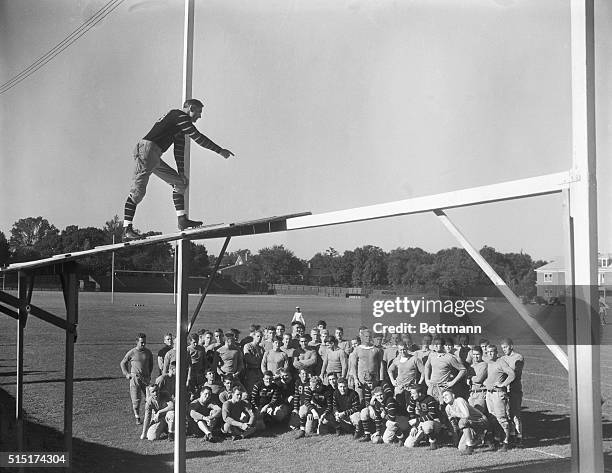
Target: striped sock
(379, 425)
(129, 211)
(179, 203)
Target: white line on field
(546, 375)
(547, 403)
(546, 453)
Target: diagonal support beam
(208, 284)
(38, 312)
(9, 312)
(556, 350)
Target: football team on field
(379, 391)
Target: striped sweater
(172, 129)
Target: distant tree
(369, 266)
(33, 237)
(4, 250)
(200, 264)
(279, 265)
(113, 227)
(403, 266)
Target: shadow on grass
(559, 465)
(61, 380)
(88, 457)
(25, 373)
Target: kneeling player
(424, 418)
(205, 413)
(381, 412)
(467, 422)
(316, 409)
(159, 414)
(267, 402)
(345, 408)
(238, 417)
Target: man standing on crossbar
(169, 129)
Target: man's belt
(497, 389)
(479, 390)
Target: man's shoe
(433, 445)
(357, 435)
(129, 234)
(184, 223)
(301, 434)
(365, 438)
(468, 451)
(170, 436)
(503, 448)
(138, 421)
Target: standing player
(197, 365)
(168, 344)
(170, 129)
(335, 360)
(298, 317)
(368, 359)
(137, 365)
(517, 363)
(425, 350)
(275, 359)
(405, 371)
(342, 343)
(477, 374)
(253, 355)
(231, 360)
(442, 370)
(499, 377)
(305, 357)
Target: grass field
(106, 438)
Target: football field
(107, 439)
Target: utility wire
(65, 43)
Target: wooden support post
(22, 289)
(182, 319)
(71, 292)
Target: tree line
(450, 271)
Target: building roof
(554, 265)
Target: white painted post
(182, 306)
(588, 457)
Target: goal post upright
(182, 305)
(584, 344)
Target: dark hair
(342, 381)
(298, 323)
(193, 103)
(280, 325)
(204, 388)
(194, 337)
(140, 335)
(477, 348)
(322, 322)
(269, 373)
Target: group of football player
(381, 391)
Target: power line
(65, 43)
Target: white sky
(327, 105)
